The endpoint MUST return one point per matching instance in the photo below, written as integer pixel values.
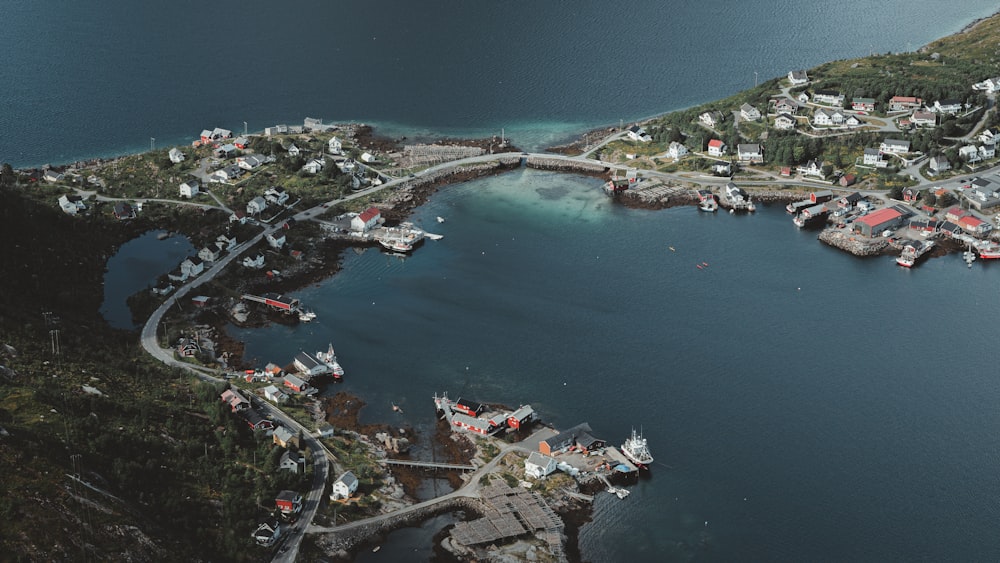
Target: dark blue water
(136, 266)
(805, 404)
(85, 80)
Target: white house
(52, 176)
(969, 153)
(192, 266)
(873, 157)
(785, 105)
(293, 150)
(256, 263)
(938, 164)
(798, 77)
(249, 162)
(227, 241)
(676, 150)
(365, 220)
(276, 130)
(276, 195)
(894, 146)
(802, 98)
(335, 146)
(190, 189)
(314, 166)
(276, 239)
(749, 113)
(988, 150)
(822, 117)
(637, 133)
(990, 85)
(784, 122)
(256, 206)
(853, 121)
(948, 106)
(539, 465)
(344, 486)
(829, 97)
(70, 204)
(292, 461)
(210, 253)
(716, 148)
(711, 118)
(267, 533)
(230, 172)
(812, 168)
(749, 152)
(923, 118)
(175, 155)
(367, 157)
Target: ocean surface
(85, 80)
(803, 405)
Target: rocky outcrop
(854, 243)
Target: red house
(470, 408)
(911, 194)
(521, 416)
(288, 502)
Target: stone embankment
(561, 165)
(855, 244)
(776, 196)
(415, 192)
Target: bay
(802, 404)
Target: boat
(990, 251)
(440, 219)
(912, 251)
(306, 315)
(636, 450)
(330, 359)
(709, 206)
(396, 245)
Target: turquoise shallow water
(808, 405)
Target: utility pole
(54, 337)
(152, 143)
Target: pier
(429, 464)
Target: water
(806, 404)
(136, 266)
(114, 78)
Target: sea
(802, 404)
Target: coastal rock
(854, 243)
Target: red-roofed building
(974, 225)
(716, 148)
(901, 103)
(366, 219)
(955, 213)
(875, 223)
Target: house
(288, 502)
(990, 85)
(522, 416)
(365, 220)
(923, 118)
(863, 104)
(716, 148)
(637, 133)
(236, 401)
(969, 153)
(749, 152)
(722, 169)
(812, 168)
(210, 253)
(276, 130)
(954, 213)
(190, 189)
(238, 216)
(676, 150)
(874, 223)
(828, 97)
(286, 438)
(904, 103)
(52, 176)
(124, 211)
(241, 142)
(711, 118)
(974, 225)
(823, 117)
(538, 465)
(849, 201)
(939, 164)
(987, 150)
(71, 204)
(192, 265)
(577, 437)
(911, 195)
(949, 105)
(271, 392)
(309, 365)
(200, 300)
(853, 121)
(314, 166)
(225, 151)
(798, 77)
(276, 239)
(785, 171)
(784, 122)
(369, 157)
(178, 275)
(175, 155)
(950, 229)
(267, 533)
(325, 430)
(821, 196)
(802, 98)
(220, 133)
(335, 146)
(293, 150)
(292, 461)
(249, 162)
(894, 146)
(848, 180)
(473, 424)
(873, 157)
(256, 206)
(467, 407)
(786, 105)
(226, 174)
(256, 421)
(749, 113)
(276, 195)
(255, 263)
(226, 241)
(295, 384)
(344, 486)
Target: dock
(429, 464)
(616, 458)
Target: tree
(7, 176)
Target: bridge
(429, 464)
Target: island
(219, 459)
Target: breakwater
(854, 243)
(562, 165)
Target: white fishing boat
(440, 219)
(636, 450)
(329, 358)
(306, 315)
